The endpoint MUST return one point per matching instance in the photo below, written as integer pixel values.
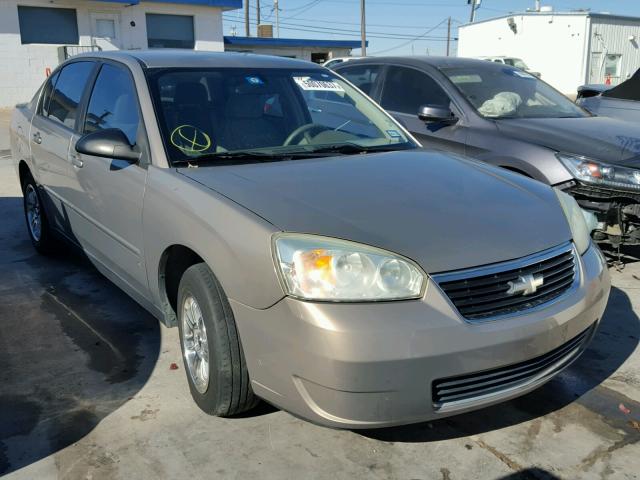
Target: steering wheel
(305, 132)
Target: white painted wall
(23, 66)
(554, 45)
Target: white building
(318, 51)
(35, 35)
(568, 49)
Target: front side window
(170, 31)
(113, 103)
(48, 25)
(67, 93)
(363, 77)
(406, 90)
(507, 92)
(266, 111)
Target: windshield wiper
(232, 157)
(353, 148)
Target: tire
(226, 390)
(40, 233)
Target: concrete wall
(303, 53)
(554, 45)
(24, 66)
(614, 36)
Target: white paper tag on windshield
(308, 83)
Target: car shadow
(616, 339)
(73, 347)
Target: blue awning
(290, 42)
(205, 3)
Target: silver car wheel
(34, 219)
(194, 343)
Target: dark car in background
(621, 102)
(507, 117)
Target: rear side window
(363, 77)
(46, 94)
(113, 103)
(67, 93)
(406, 90)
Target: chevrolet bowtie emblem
(525, 285)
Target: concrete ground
(87, 391)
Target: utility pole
(363, 28)
(475, 4)
(448, 35)
(275, 5)
(247, 28)
(258, 12)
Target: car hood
(607, 139)
(444, 212)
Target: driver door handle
(76, 160)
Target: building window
(170, 31)
(105, 28)
(612, 65)
(48, 25)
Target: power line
(420, 37)
(347, 33)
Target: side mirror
(109, 143)
(436, 113)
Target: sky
(398, 27)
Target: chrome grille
(466, 389)
(485, 293)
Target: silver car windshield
(507, 92)
(229, 114)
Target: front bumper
(373, 365)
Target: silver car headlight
(577, 221)
(599, 173)
(326, 269)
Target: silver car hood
(442, 211)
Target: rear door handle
(77, 161)
(37, 138)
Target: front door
(105, 30)
(111, 191)
(405, 90)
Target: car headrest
(245, 106)
(190, 93)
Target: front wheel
(211, 348)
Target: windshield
(500, 91)
(245, 113)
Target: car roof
(420, 60)
(176, 58)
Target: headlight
(598, 173)
(576, 218)
(327, 269)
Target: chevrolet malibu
(308, 252)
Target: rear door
(109, 192)
(404, 91)
(51, 131)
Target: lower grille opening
(475, 386)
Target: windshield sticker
(469, 78)
(394, 134)
(310, 84)
(520, 73)
(190, 140)
(253, 80)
